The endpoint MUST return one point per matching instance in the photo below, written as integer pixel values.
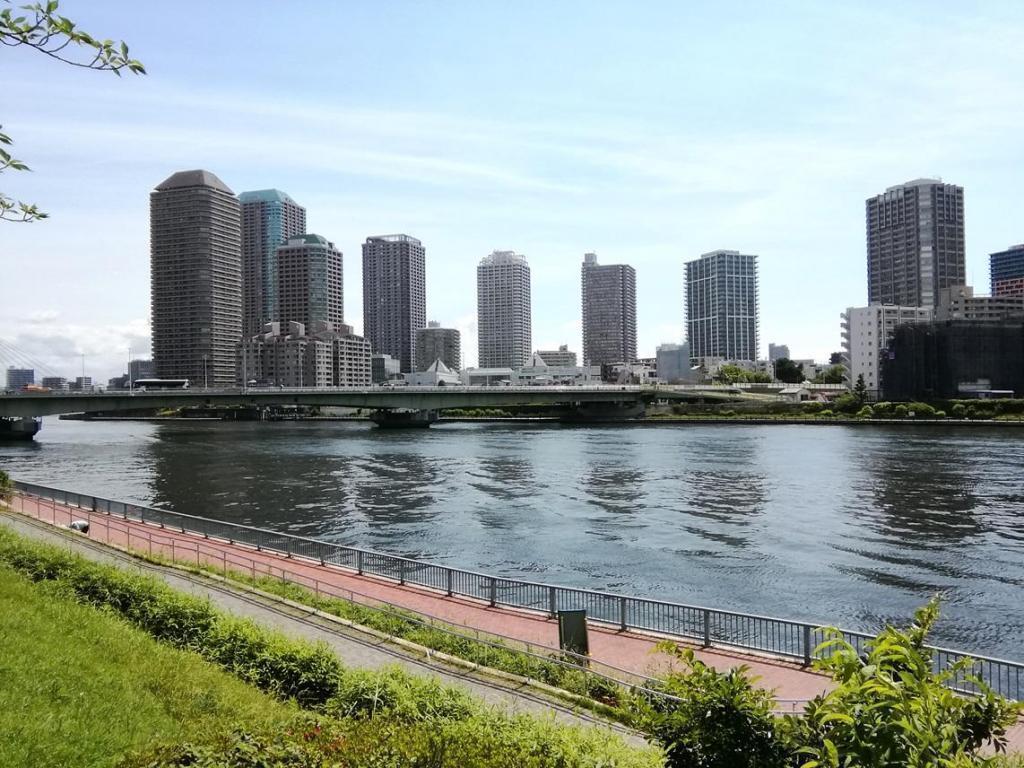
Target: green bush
(846, 403)
(812, 408)
(883, 410)
(899, 412)
(890, 708)
(921, 410)
(867, 412)
(940, 414)
(719, 721)
(827, 413)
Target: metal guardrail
(786, 639)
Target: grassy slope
(81, 687)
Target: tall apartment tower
(394, 295)
(504, 322)
(609, 312)
(309, 283)
(195, 278)
(915, 243)
(1006, 271)
(437, 343)
(721, 306)
(269, 218)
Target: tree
(860, 390)
(730, 374)
(6, 487)
(834, 374)
(41, 27)
(836, 358)
(891, 708)
(788, 372)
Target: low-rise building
(20, 377)
(867, 332)
(436, 375)
(673, 362)
(958, 302)
(486, 377)
(81, 384)
(325, 357)
(385, 368)
(561, 356)
(55, 383)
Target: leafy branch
(41, 27)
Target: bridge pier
(404, 418)
(23, 428)
(596, 412)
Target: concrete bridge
(400, 400)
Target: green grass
(80, 687)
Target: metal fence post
(401, 571)
(707, 628)
(807, 645)
(448, 573)
(622, 614)
(288, 546)
(359, 562)
(494, 591)
(552, 602)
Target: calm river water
(845, 525)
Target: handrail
(782, 638)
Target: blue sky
(647, 132)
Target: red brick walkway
(630, 651)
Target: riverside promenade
(611, 650)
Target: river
(852, 526)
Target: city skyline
(511, 156)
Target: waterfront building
(288, 356)
(673, 364)
(487, 377)
(722, 306)
(55, 383)
(955, 358)
(118, 382)
(959, 303)
(384, 368)
(778, 352)
(196, 278)
(81, 384)
(394, 295)
(141, 369)
(561, 356)
(915, 243)
(1006, 271)
(437, 343)
(20, 377)
(309, 282)
(867, 332)
(269, 218)
(437, 374)
(504, 322)
(609, 311)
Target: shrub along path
(353, 648)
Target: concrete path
(355, 649)
(793, 684)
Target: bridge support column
(591, 412)
(403, 418)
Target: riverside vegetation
(889, 708)
(849, 406)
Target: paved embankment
(354, 648)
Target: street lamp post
(130, 387)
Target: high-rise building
(777, 352)
(437, 343)
(1006, 271)
(867, 332)
(309, 282)
(721, 306)
(609, 312)
(269, 219)
(915, 243)
(504, 322)
(141, 369)
(394, 295)
(558, 357)
(196, 278)
(20, 377)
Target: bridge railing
(793, 640)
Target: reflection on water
(854, 526)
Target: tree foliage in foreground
(39, 26)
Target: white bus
(150, 385)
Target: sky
(647, 132)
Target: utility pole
(130, 387)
